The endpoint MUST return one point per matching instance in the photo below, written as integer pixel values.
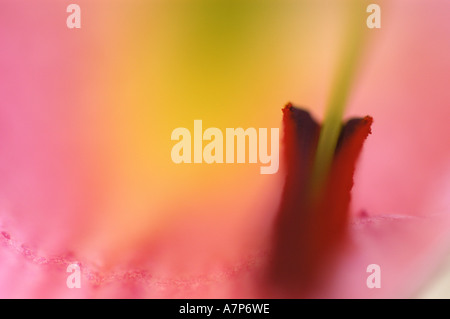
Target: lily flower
(85, 117)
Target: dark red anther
(310, 225)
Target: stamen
(332, 124)
(310, 225)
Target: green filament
(333, 119)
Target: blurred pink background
(85, 123)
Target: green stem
(332, 124)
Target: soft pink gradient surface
(71, 129)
